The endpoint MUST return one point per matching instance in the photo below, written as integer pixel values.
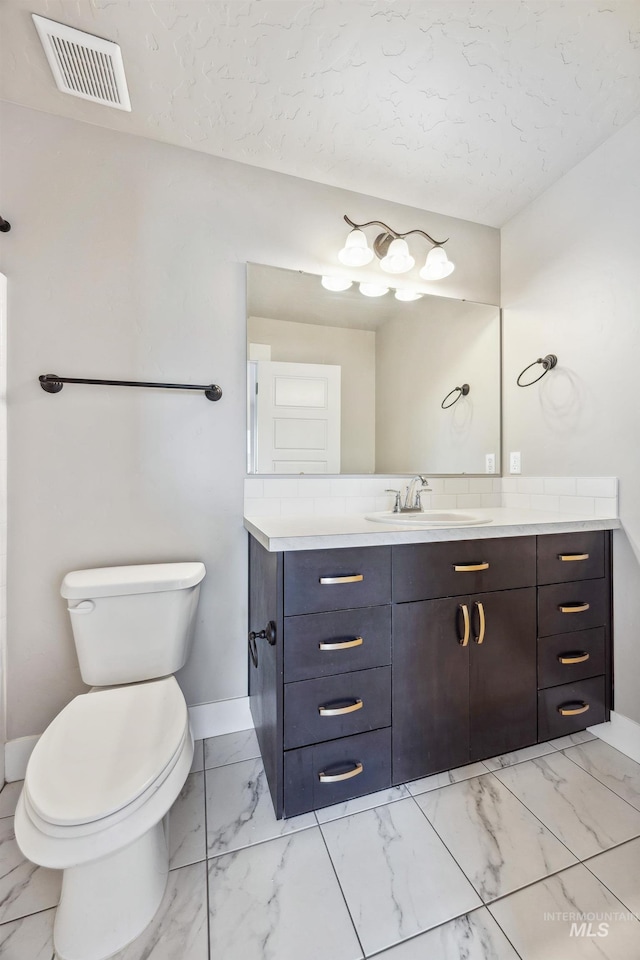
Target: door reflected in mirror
(342, 383)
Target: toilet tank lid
(122, 581)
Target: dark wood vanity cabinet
(389, 663)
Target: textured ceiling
(466, 108)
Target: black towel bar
(52, 383)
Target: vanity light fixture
(392, 250)
(336, 284)
(407, 294)
(373, 289)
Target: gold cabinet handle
(341, 644)
(481, 623)
(356, 578)
(333, 778)
(470, 567)
(573, 657)
(574, 608)
(573, 709)
(568, 557)
(467, 624)
(338, 711)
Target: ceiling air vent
(83, 65)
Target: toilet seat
(77, 764)
(104, 751)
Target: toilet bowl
(104, 774)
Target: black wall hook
(5, 226)
(548, 363)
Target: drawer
(424, 571)
(322, 644)
(568, 658)
(565, 607)
(328, 773)
(571, 556)
(572, 698)
(319, 580)
(351, 703)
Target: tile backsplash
(320, 496)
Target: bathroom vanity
(399, 655)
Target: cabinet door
(430, 698)
(503, 672)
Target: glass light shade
(398, 258)
(437, 265)
(407, 294)
(336, 283)
(373, 289)
(355, 252)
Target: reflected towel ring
(547, 362)
(461, 391)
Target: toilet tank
(132, 623)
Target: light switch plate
(514, 463)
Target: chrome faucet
(412, 496)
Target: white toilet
(105, 772)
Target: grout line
(450, 852)
(601, 782)
(585, 863)
(335, 872)
(206, 854)
(258, 843)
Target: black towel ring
(461, 391)
(547, 362)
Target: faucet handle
(397, 507)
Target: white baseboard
(207, 720)
(622, 733)
(221, 716)
(16, 757)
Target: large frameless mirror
(340, 383)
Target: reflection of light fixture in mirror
(355, 252)
(407, 294)
(437, 265)
(373, 289)
(336, 284)
(392, 251)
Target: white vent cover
(83, 65)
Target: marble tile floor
(533, 855)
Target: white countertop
(320, 533)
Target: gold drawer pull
(467, 624)
(338, 711)
(356, 578)
(573, 709)
(573, 556)
(341, 644)
(480, 638)
(573, 657)
(575, 608)
(470, 567)
(334, 777)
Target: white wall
(571, 286)
(420, 358)
(3, 515)
(354, 351)
(126, 261)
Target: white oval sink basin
(429, 518)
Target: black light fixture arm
(391, 232)
(52, 383)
